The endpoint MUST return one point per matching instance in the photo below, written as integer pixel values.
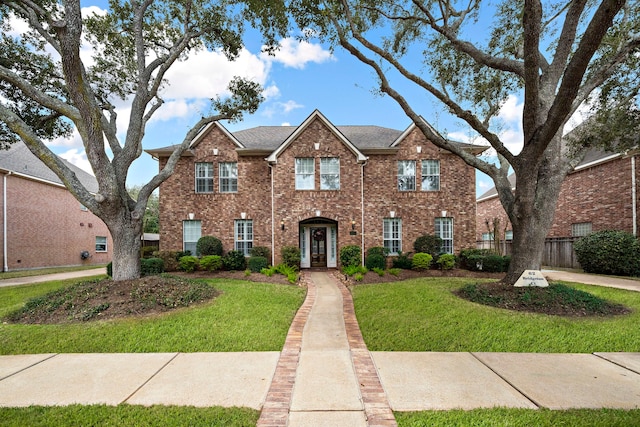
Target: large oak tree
(472, 55)
(46, 89)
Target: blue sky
(300, 78)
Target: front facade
(317, 187)
(41, 223)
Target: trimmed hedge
(211, 262)
(609, 252)
(422, 261)
(429, 244)
(257, 263)
(403, 261)
(234, 261)
(262, 251)
(446, 261)
(374, 261)
(209, 245)
(189, 263)
(148, 267)
(291, 256)
(350, 256)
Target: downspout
(634, 202)
(4, 221)
(273, 230)
(362, 165)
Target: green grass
(424, 315)
(246, 317)
(127, 415)
(42, 271)
(500, 417)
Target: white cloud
(511, 111)
(77, 158)
(285, 124)
(296, 54)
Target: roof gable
(474, 149)
(208, 128)
(316, 115)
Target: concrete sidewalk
(325, 375)
(50, 277)
(593, 279)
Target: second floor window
(228, 177)
(305, 175)
(204, 177)
(406, 175)
(430, 175)
(330, 173)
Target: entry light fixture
(353, 225)
(282, 224)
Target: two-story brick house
(318, 187)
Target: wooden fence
(558, 251)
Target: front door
(319, 247)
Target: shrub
(268, 271)
(262, 251)
(170, 260)
(358, 277)
(180, 254)
(350, 255)
(378, 250)
(211, 262)
(151, 266)
(470, 257)
(147, 251)
(375, 261)
(428, 244)
(188, 263)
(234, 261)
(422, 261)
(291, 256)
(402, 261)
(350, 270)
(257, 263)
(290, 272)
(446, 261)
(609, 252)
(209, 245)
(394, 271)
(110, 269)
(490, 263)
(379, 271)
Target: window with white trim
(406, 175)
(305, 174)
(191, 233)
(508, 235)
(330, 173)
(228, 174)
(430, 175)
(392, 235)
(580, 229)
(204, 177)
(244, 235)
(101, 244)
(444, 230)
(487, 236)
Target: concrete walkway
(50, 277)
(325, 375)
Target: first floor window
(305, 174)
(330, 173)
(191, 233)
(392, 235)
(444, 230)
(508, 235)
(430, 175)
(228, 177)
(487, 236)
(244, 235)
(580, 229)
(101, 244)
(204, 177)
(406, 175)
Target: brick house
(599, 194)
(41, 223)
(318, 187)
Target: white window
(487, 236)
(406, 175)
(330, 173)
(204, 177)
(392, 235)
(191, 233)
(305, 174)
(244, 235)
(508, 235)
(228, 177)
(101, 244)
(444, 230)
(580, 229)
(430, 175)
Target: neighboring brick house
(318, 187)
(41, 223)
(599, 194)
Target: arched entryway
(318, 243)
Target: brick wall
(600, 194)
(47, 228)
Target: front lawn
(425, 315)
(247, 316)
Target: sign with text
(532, 278)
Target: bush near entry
(609, 252)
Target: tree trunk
(126, 249)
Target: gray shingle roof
(20, 159)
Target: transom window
(580, 229)
(406, 175)
(191, 233)
(330, 173)
(244, 235)
(392, 235)
(444, 230)
(305, 174)
(204, 177)
(101, 244)
(228, 173)
(430, 175)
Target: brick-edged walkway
(275, 412)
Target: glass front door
(319, 247)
